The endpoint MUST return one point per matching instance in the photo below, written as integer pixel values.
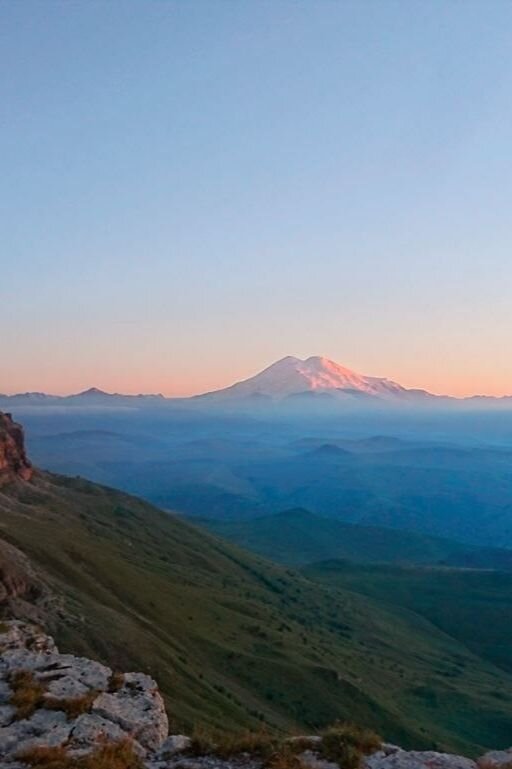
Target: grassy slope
(298, 537)
(474, 606)
(231, 637)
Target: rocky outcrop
(14, 463)
(52, 701)
(393, 757)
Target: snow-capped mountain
(292, 376)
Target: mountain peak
(92, 391)
(318, 360)
(291, 376)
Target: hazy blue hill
(299, 537)
(362, 445)
(483, 558)
(329, 451)
(430, 491)
(232, 466)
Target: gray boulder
(135, 711)
(138, 708)
(404, 759)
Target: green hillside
(234, 640)
(298, 537)
(473, 606)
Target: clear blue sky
(190, 190)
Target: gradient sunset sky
(191, 190)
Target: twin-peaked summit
(292, 376)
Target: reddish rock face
(13, 460)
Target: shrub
(256, 743)
(346, 744)
(228, 745)
(28, 693)
(300, 744)
(44, 757)
(285, 757)
(110, 755)
(113, 755)
(201, 743)
(116, 682)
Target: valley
(234, 640)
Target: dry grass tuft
(116, 682)
(201, 743)
(286, 757)
(110, 755)
(226, 746)
(72, 706)
(28, 693)
(300, 744)
(259, 744)
(113, 755)
(346, 744)
(44, 757)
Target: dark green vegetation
(473, 606)
(342, 742)
(28, 693)
(298, 537)
(237, 642)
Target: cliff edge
(14, 463)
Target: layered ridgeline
(298, 537)
(233, 640)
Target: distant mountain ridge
(291, 380)
(93, 396)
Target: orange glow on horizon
(182, 387)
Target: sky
(191, 190)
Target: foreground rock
(76, 702)
(395, 758)
(54, 701)
(496, 759)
